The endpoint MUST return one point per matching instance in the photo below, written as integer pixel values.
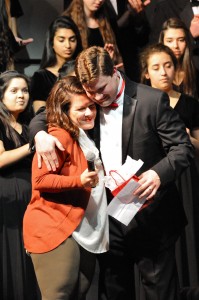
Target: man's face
(103, 90)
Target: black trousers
(157, 269)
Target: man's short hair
(93, 62)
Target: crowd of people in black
(117, 79)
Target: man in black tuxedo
(142, 126)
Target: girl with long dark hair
(63, 43)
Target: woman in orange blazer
(61, 230)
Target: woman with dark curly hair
(17, 278)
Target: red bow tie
(113, 105)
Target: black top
(26, 162)
(15, 9)
(188, 110)
(95, 37)
(41, 84)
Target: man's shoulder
(148, 89)
(134, 89)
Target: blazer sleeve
(38, 123)
(175, 141)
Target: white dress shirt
(111, 133)
(195, 7)
(114, 3)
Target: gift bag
(119, 184)
(122, 183)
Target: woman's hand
(89, 179)
(23, 42)
(110, 49)
(138, 5)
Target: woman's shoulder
(62, 135)
(192, 101)
(42, 82)
(43, 73)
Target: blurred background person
(93, 22)
(17, 278)
(158, 64)
(158, 12)
(176, 36)
(63, 43)
(133, 31)
(9, 41)
(14, 11)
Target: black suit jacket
(153, 132)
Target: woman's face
(93, 5)
(175, 39)
(82, 112)
(64, 44)
(16, 96)
(160, 71)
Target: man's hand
(45, 147)
(149, 183)
(138, 5)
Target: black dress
(41, 84)
(180, 88)
(17, 279)
(15, 9)
(187, 247)
(95, 37)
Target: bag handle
(136, 178)
(114, 171)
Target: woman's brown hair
(76, 12)
(59, 102)
(186, 62)
(146, 54)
